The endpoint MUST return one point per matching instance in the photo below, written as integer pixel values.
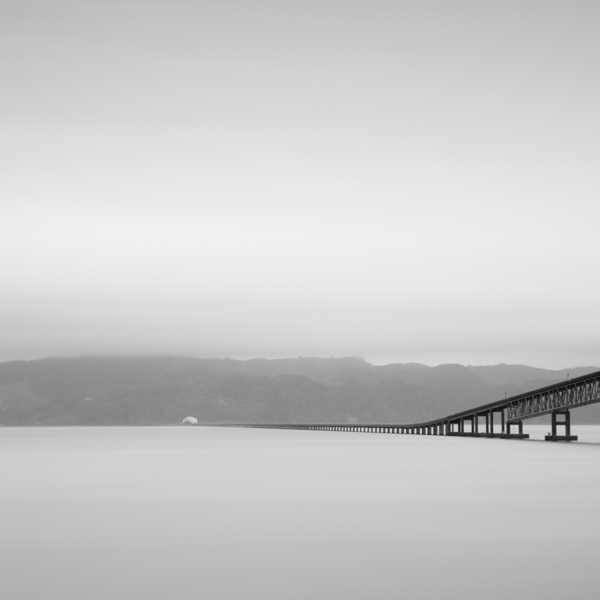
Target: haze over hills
(165, 389)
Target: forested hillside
(165, 389)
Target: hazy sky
(406, 181)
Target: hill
(165, 389)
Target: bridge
(502, 419)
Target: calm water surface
(178, 513)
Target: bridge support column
(564, 422)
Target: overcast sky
(401, 180)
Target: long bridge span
(503, 418)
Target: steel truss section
(543, 402)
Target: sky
(406, 181)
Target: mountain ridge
(154, 390)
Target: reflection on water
(175, 512)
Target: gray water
(175, 512)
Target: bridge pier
(477, 425)
(519, 435)
(471, 419)
(491, 433)
(483, 430)
(565, 422)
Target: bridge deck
(556, 399)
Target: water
(177, 513)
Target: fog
(404, 181)
(230, 513)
